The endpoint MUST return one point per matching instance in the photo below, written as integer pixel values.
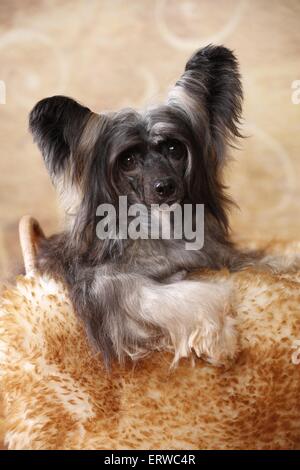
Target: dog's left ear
(210, 94)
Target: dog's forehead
(131, 127)
(165, 122)
(128, 123)
(160, 118)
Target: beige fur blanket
(57, 395)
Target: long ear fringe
(56, 124)
(210, 92)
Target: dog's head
(171, 153)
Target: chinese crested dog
(131, 294)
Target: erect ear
(57, 124)
(66, 133)
(210, 93)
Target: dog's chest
(160, 259)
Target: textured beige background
(111, 53)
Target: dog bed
(57, 394)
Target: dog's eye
(173, 149)
(129, 161)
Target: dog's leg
(280, 263)
(287, 263)
(195, 315)
(126, 314)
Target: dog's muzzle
(165, 188)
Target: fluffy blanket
(57, 394)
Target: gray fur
(115, 284)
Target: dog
(132, 295)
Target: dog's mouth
(165, 191)
(169, 205)
(165, 200)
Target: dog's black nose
(165, 187)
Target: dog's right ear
(56, 124)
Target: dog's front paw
(282, 264)
(216, 340)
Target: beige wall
(111, 53)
